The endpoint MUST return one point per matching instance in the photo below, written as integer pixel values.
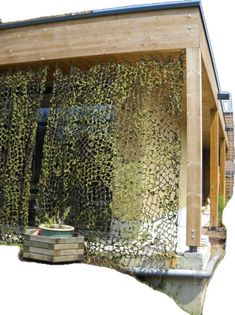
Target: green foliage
(10, 236)
(58, 220)
(20, 97)
(221, 206)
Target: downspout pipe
(181, 273)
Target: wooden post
(194, 147)
(214, 167)
(222, 168)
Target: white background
(33, 288)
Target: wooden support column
(194, 147)
(222, 168)
(214, 167)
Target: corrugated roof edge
(120, 10)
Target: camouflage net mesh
(20, 97)
(112, 155)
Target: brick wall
(229, 165)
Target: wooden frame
(214, 167)
(194, 146)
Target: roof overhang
(118, 11)
(103, 12)
(14, 53)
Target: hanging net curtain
(20, 97)
(112, 155)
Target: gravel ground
(217, 240)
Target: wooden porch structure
(130, 34)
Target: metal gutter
(103, 12)
(181, 273)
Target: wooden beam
(211, 76)
(118, 34)
(222, 168)
(214, 167)
(194, 146)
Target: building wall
(229, 165)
